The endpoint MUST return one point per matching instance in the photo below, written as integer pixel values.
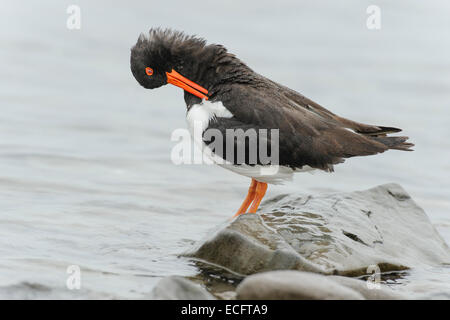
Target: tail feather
(379, 131)
(397, 143)
(366, 129)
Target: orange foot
(255, 194)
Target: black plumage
(309, 134)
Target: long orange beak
(184, 83)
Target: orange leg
(261, 189)
(249, 199)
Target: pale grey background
(85, 170)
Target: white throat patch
(204, 112)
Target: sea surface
(86, 177)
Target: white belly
(198, 118)
(201, 114)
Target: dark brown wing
(309, 134)
(304, 102)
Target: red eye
(149, 71)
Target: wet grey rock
(381, 292)
(293, 285)
(179, 288)
(289, 284)
(335, 233)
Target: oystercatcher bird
(222, 93)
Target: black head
(167, 56)
(160, 52)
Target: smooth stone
(179, 288)
(293, 285)
(381, 292)
(335, 233)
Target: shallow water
(85, 171)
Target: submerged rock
(337, 233)
(179, 288)
(289, 284)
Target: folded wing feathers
(377, 133)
